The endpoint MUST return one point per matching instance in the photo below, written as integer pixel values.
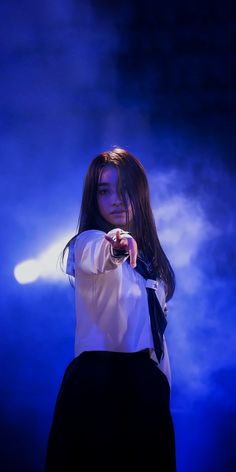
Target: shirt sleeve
(93, 253)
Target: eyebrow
(103, 184)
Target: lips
(120, 212)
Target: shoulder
(89, 235)
(88, 239)
(96, 235)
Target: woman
(113, 405)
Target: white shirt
(111, 300)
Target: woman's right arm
(93, 252)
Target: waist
(143, 353)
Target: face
(110, 204)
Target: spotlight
(27, 272)
(46, 265)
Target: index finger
(118, 236)
(133, 252)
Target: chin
(118, 222)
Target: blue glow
(76, 79)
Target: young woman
(113, 405)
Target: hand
(127, 244)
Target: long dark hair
(133, 182)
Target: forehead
(108, 175)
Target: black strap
(157, 317)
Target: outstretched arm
(125, 243)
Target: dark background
(157, 78)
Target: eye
(103, 192)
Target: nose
(116, 199)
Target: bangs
(125, 190)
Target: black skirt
(112, 411)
